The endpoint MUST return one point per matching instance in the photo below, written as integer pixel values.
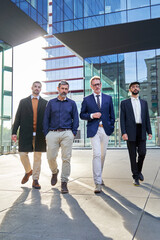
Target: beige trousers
(36, 162)
(55, 140)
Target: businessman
(135, 123)
(29, 121)
(60, 126)
(97, 109)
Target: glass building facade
(6, 83)
(74, 15)
(115, 70)
(35, 9)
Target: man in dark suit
(135, 123)
(97, 109)
(29, 119)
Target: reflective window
(78, 8)
(57, 9)
(130, 68)
(137, 3)
(96, 21)
(68, 26)
(115, 18)
(138, 14)
(155, 2)
(68, 9)
(114, 6)
(155, 11)
(93, 7)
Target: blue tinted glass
(78, 8)
(130, 67)
(40, 6)
(25, 7)
(68, 26)
(93, 7)
(40, 21)
(115, 18)
(113, 6)
(45, 8)
(155, 2)
(57, 11)
(57, 27)
(33, 14)
(78, 24)
(155, 11)
(137, 3)
(34, 3)
(68, 9)
(138, 14)
(96, 21)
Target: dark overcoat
(24, 121)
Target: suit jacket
(127, 119)
(90, 106)
(24, 121)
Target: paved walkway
(121, 212)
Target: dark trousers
(134, 148)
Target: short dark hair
(63, 82)
(37, 82)
(133, 83)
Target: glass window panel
(57, 11)
(7, 81)
(6, 134)
(92, 22)
(137, 3)
(93, 7)
(8, 57)
(155, 11)
(40, 6)
(68, 9)
(155, 2)
(33, 14)
(78, 8)
(138, 14)
(113, 6)
(68, 26)
(7, 106)
(57, 27)
(130, 68)
(25, 7)
(115, 18)
(78, 24)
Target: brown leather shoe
(36, 184)
(54, 178)
(64, 188)
(26, 177)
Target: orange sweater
(34, 106)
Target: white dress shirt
(136, 109)
(100, 99)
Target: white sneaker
(98, 188)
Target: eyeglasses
(96, 85)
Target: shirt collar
(34, 97)
(63, 100)
(95, 94)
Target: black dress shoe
(141, 177)
(54, 178)
(136, 182)
(64, 188)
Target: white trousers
(99, 145)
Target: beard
(135, 93)
(63, 94)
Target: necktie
(98, 101)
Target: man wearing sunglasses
(97, 109)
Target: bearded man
(135, 123)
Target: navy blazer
(127, 119)
(90, 106)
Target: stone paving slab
(121, 212)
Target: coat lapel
(130, 108)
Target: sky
(27, 68)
